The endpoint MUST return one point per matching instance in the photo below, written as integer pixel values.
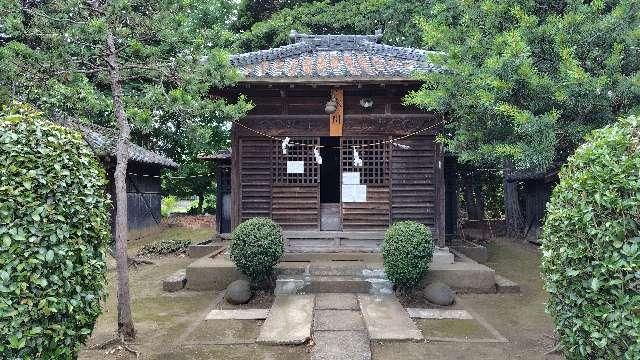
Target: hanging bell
(331, 106)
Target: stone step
(386, 319)
(317, 284)
(313, 247)
(176, 281)
(337, 284)
(340, 345)
(289, 321)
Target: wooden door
(373, 213)
(296, 196)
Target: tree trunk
(200, 203)
(514, 221)
(473, 197)
(125, 320)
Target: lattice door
(296, 152)
(375, 159)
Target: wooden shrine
(339, 97)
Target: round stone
(439, 294)
(238, 292)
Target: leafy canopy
(170, 54)
(527, 79)
(54, 229)
(591, 246)
(395, 17)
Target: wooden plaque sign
(336, 119)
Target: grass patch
(165, 247)
(453, 328)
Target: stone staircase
(333, 241)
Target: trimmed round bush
(407, 250)
(591, 247)
(54, 229)
(256, 246)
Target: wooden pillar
(235, 177)
(440, 195)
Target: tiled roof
(103, 142)
(218, 156)
(333, 58)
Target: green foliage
(407, 250)
(168, 205)
(208, 206)
(525, 79)
(256, 246)
(170, 54)
(165, 247)
(395, 17)
(54, 229)
(591, 246)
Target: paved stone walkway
(339, 331)
(289, 320)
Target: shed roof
(103, 142)
(331, 58)
(220, 156)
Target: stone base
(442, 255)
(506, 286)
(175, 282)
(463, 276)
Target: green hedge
(591, 247)
(256, 246)
(407, 250)
(54, 228)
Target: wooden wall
(413, 191)
(413, 194)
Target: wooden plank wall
(255, 177)
(370, 215)
(413, 182)
(296, 207)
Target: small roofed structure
(143, 174)
(222, 161)
(330, 151)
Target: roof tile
(333, 57)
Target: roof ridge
(305, 43)
(102, 140)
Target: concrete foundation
(463, 275)
(175, 282)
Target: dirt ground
(518, 317)
(170, 326)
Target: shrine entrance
(330, 207)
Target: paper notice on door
(295, 167)
(352, 178)
(354, 193)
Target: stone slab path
(386, 319)
(338, 329)
(416, 313)
(239, 314)
(289, 320)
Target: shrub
(168, 204)
(591, 247)
(407, 250)
(256, 246)
(165, 247)
(54, 229)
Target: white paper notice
(354, 193)
(295, 167)
(352, 178)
